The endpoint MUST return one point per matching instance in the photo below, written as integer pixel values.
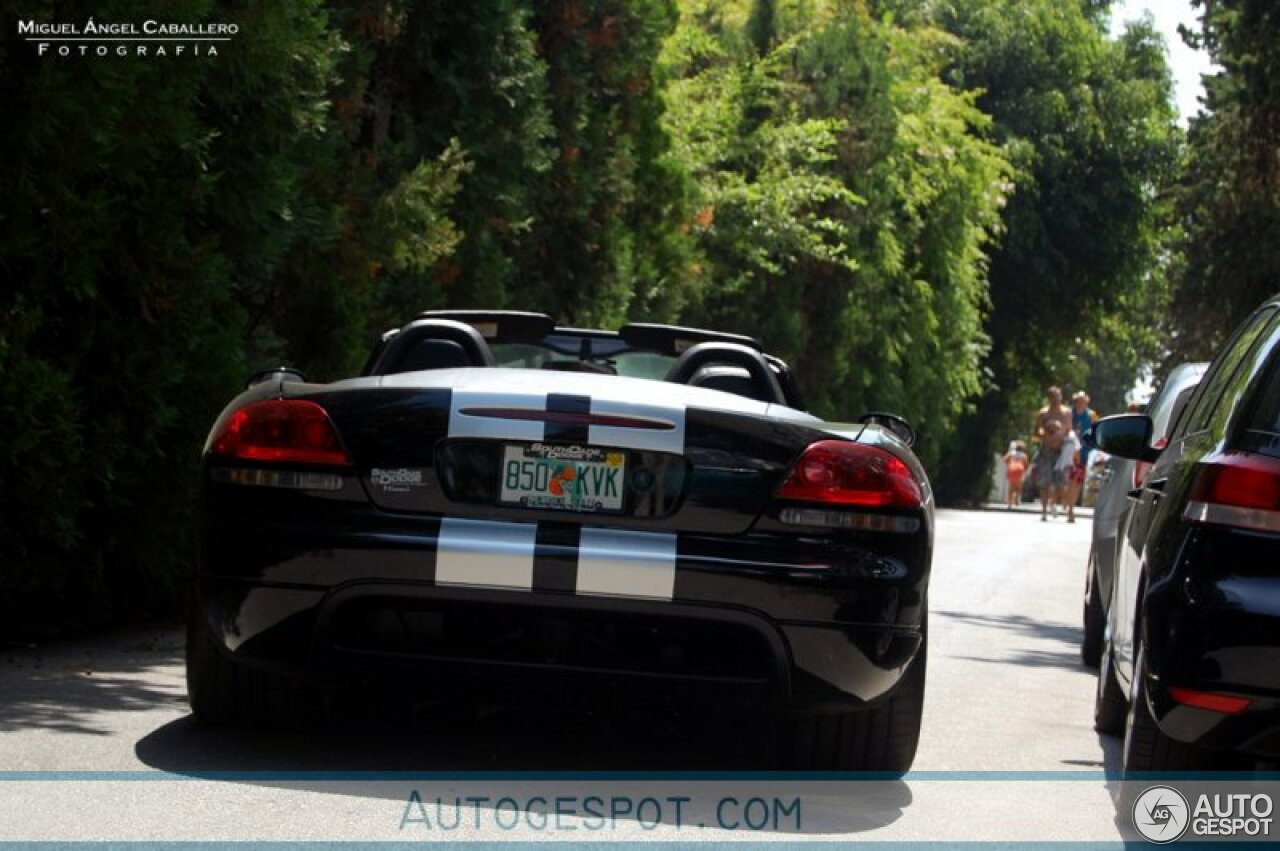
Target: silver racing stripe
(610, 562)
(462, 424)
(655, 440)
(497, 428)
(622, 563)
(480, 552)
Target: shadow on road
(373, 744)
(373, 756)
(1068, 656)
(380, 736)
(75, 688)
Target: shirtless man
(1052, 424)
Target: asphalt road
(96, 743)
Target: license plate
(570, 478)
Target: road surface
(96, 743)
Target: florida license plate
(570, 478)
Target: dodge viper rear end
(556, 523)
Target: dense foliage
(145, 211)
(928, 207)
(171, 223)
(1088, 124)
(847, 197)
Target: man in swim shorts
(1052, 424)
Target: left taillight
(289, 431)
(841, 473)
(1237, 489)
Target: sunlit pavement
(95, 742)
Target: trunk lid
(525, 445)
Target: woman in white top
(1069, 463)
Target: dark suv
(1191, 666)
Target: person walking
(1082, 418)
(1053, 424)
(1015, 468)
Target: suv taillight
(285, 430)
(837, 472)
(1238, 489)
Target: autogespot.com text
(594, 813)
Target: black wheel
(1147, 748)
(1095, 617)
(1109, 704)
(223, 692)
(882, 738)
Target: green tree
(607, 231)
(147, 201)
(847, 200)
(1088, 124)
(423, 189)
(501, 155)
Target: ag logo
(1161, 814)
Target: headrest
(432, 344)
(727, 379)
(764, 382)
(434, 354)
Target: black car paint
(1204, 601)
(838, 614)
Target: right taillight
(837, 472)
(1141, 468)
(1238, 489)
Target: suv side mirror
(1125, 436)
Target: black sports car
(497, 501)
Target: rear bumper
(658, 651)
(1256, 731)
(1213, 625)
(787, 623)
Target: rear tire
(1095, 618)
(882, 738)
(221, 691)
(1109, 704)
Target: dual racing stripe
(556, 557)
(480, 414)
(559, 557)
(478, 552)
(623, 563)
